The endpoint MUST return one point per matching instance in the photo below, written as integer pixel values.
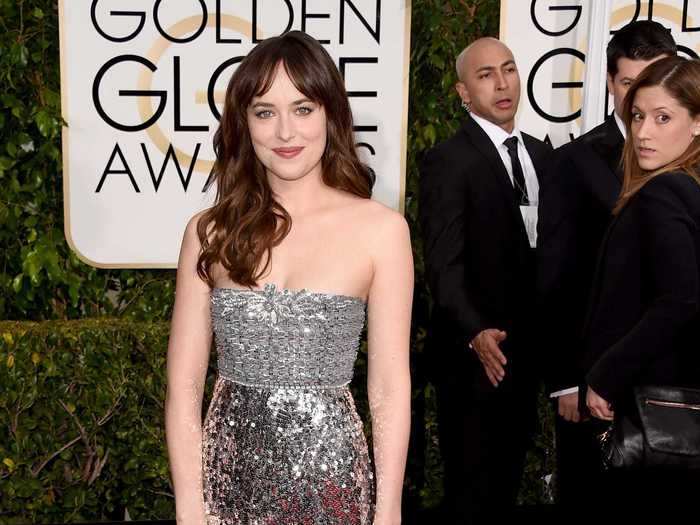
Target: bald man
(478, 209)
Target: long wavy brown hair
(246, 222)
(680, 78)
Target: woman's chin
(649, 164)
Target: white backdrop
(549, 39)
(142, 82)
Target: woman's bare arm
(388, 380)
(188, 356)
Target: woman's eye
(662, 119)
(265, 113)
(637, 117)
(304, 110)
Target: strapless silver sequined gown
(283, 443)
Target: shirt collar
(620, 125)
(496, 133)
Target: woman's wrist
(388, 512)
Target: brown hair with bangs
(246, 222)
(680, 78)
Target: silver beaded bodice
(278, 337)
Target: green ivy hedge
(81, 421)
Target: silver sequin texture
(283, 443)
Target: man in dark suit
(478, 198)
(577, 195)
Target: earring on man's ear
(467, 106)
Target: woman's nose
(644, 128)
(285, 128)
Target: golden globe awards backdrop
(142, 87)
(549, 39)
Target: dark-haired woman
(644, 325)
(282, 270)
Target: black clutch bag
(663, 433)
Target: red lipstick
(289, 152)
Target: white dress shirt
(498, 135)
(620, 125)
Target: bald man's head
(461, 61)
(489, 81)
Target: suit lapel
(537, 153)
(485, 147)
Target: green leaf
(52, 98)
(45, 123)
(430, 134)
(6, 163)
(74, 293)
(10, 101)
(11, 149)
(31, 265)
(17, 283)
(4, 213)
(18, 54)
(438, 61)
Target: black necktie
(518, 178)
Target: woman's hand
(598, 406)
(394, 520)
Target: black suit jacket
(577, 195)
(479, 264)
(644, 326)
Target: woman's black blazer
(643, 325)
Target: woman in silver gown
(283, 270)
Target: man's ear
(463, 92)
(610, 82)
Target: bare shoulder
(387, 241)
(191, 230)
(193, 222)
(191, 243)
(380, 224)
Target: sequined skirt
(287, 455)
